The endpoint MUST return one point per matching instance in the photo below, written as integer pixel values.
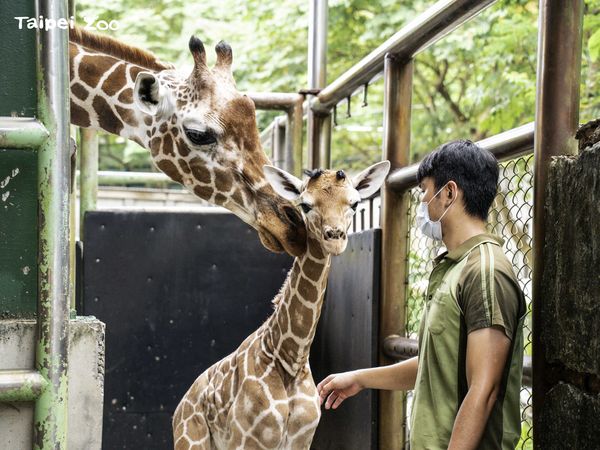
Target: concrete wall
(86, 383)
(570, 416)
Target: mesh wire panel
(511, 219)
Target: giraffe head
(328, 199)
(202, 133)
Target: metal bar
(110, 177)
(325, 143)
(279, 144)
(88, 176)
(315, 129)
(274, 100)
(317, 44)
(401, 348)
(21, 385)
(556, 118)
(395, 225)
(295, 124)
(317, 76)
(507, 145)
(22, 132)
(50, 415)
(417, 35)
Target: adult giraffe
(199, 129)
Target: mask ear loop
(450, 206)
(435, 195)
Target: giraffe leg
(305, 413)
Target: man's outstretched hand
(337, 387)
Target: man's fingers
(326, 389)
(331, 399)
(324, 382)
(338, 401)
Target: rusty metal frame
(557, 119)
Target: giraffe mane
(113, 47)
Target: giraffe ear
(370, 180)
(148, 92)
(285, 184)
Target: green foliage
(476, 82)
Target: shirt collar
(459, 252)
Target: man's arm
(487, 351)
(338, 387)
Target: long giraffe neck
(291, 328)
(102, 95)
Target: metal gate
(179, 291)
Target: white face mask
(427, 226)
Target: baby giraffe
(263, 396)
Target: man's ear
(284, 183)
(148, 92)
(370, 180)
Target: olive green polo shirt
(471, 287)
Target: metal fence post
(294, 144)
(50, 417)
(317, 77)
(394, 224)
(556, 119)
(88, 178)
(279, 138)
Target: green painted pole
(17, 132)
(50, 415)
(21, 385)
(88, 177)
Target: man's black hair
(472, 168)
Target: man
(467, 376)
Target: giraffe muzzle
(334, 233)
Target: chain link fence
(510, 218)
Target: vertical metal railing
(47, 384)
(394, 223)
(319, 122)
(557, 119)
(50, 417)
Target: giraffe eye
(200, 137)
(305, 207)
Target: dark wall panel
(346, 339)
(179, 291)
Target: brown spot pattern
(223, 180)
(79, 116)
(128, 116)
(106, 117)
(168, 145)
(127, 97)
(115, 81)
(79, 91)
(201, 173)
(92, 68)
(155, 145)
(184, 165)
(204, 192)
(170, 169)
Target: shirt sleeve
(488, 292)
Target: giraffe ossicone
(263, 395)
(200, 130)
